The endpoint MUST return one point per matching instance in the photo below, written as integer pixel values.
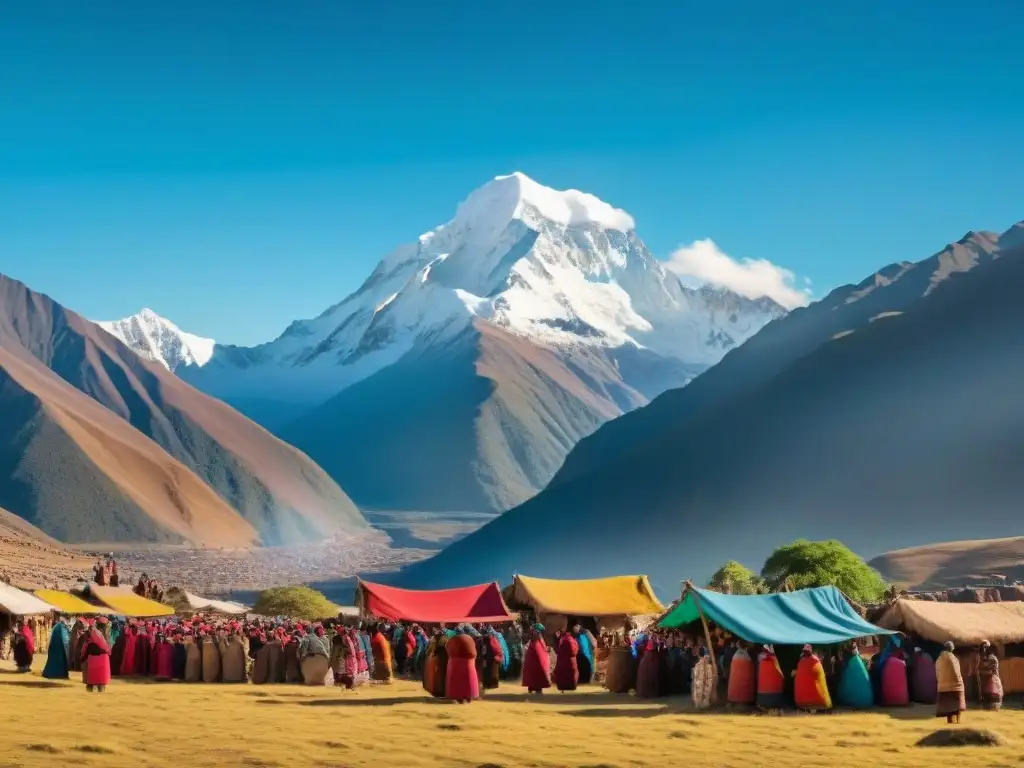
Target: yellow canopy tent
(609, 601)
(123, 602)
(65, 602)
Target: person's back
(895, 690)
(855, 683)
(923, 683)
(771, 684)
(810, 690)
(950, 684)
(537, 663)
(462, 683)
(741, 678)
(382, 664)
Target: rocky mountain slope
(470, 362)
(848, 308)
(100, 445)
(898, 422)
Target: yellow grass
(150, 724)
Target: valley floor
(172, 724)
(398, 538)
(216, 572)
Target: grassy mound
(962, 737)
(299, 602)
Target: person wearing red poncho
(462, 683)
(96, 659)
(143, 651)
(24, 646)
(537, 663)
(741, 678)
(408, 650)
(771, 683)
(126, 666)
(567, 670)
(810, 689)
(163, 658)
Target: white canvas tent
(198, 603)
(18, 603)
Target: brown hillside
(81, 474)
(953, 564)
(30, 559)
(486, 423)
(129, 489)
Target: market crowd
(462, 662)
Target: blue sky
(236, 165)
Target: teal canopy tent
(819, 616)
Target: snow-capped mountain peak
(160, 340)
(518, 196)
(560, 268)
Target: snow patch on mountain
(160, 340)
(518, 196)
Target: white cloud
(705, 262)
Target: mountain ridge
(843, 442)
(553, 283)
(161, 461)
(843, 309)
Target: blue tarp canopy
(819, 616)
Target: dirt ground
(47, 723)
(31, 560)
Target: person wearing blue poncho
(855, 688)
(638, 644)
(586, 655)
(57, 656)
(505, 656)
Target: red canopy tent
(482, 603)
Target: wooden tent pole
(704, 621)
(360, 601)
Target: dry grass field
(149, 724)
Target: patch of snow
(512, 196)
(160, 340)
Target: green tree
(294, 602)
(735, 579)
(820, 564)
(176, 598)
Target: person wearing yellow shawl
(810, 690)
(951, 701)
(383, 671)
(703, 686)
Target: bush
(294, 602)
(735, 579)
(176, 598)
(805, 564)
